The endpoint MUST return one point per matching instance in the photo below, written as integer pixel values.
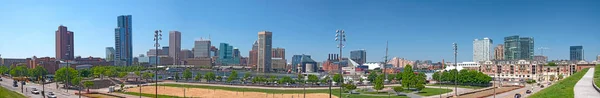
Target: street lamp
(455, 67)
(157, 37)
(340, 36)
(67, 70)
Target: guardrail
(595, 86)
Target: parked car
(51, 95)
(35, 91)
(528, 91)
(15, 85)
(542, 86)
(0, 79)
(170, 78)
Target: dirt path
(210, 93)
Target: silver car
(51, 95)
(35, 91)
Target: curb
(595, 86)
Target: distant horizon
(423, 30)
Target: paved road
(584, 88)
(60, 93)
(460, 90)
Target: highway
(60, 93)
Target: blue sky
(416, 30)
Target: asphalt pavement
(60, 93)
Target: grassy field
(334, 91)
(433, 91)
(597, 75)
(5, 93)
(461, 86)
(561, 89)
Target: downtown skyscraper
(64, 44)
(576, 53)
(482, 49)
(253, 55)
(518, 48)
(278, 53)
(123, 41)
(202, 48)
(499, 52)
(359, 56)
(110, 54)
(175, 46)
(264, 51)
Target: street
(60, 93)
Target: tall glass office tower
(123, 42)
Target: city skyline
(95, 29)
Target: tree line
(464, 77)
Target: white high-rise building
(482, 49)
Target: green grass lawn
(334, 91)
(5, 93)
(461, 86)
(433, 91)
(562, 88)
(597, 75)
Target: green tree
(85, 73)
(138, 73)
(551, 64)
(419, 87)
(560, 77)
(350, 87)
(122, 74)
(61, 74)
(325, 80)
(147, 75)
(219, 78)
(210, 76)
(76, 81)
(198, 76)
(38, 72)
(371, 77)
(19, 71)
(98, 71)
(408, 75)
(398, 89)
(338, 79)
(110, 72)
(88, 84)
(361, 80)
(246, 76)
(176, 76)
(313, 79)
(187, 74)
(232, 76)
(272, 79)
(379, 83)
(285, 79)
(4, 70)
(436, 76)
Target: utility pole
(157, 37)
(455, 67)
(341, 37)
